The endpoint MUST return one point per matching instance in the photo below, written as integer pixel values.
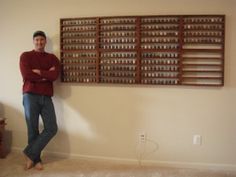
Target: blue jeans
(34, 106)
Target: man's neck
(39, 50)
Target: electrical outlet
(197, 139)
(142, 137)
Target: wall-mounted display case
(156, 50)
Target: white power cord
(141, 150)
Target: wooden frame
(156, 50)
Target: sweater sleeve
(26, 70)
(52, 75)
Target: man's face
(39, 42)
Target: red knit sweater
(34, 83)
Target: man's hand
(37, 71)
(52, 68)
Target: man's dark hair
(39, 33)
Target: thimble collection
(155, 50)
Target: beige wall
(105, 121)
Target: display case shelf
(156, 50)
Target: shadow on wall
(62, 138)
(99, 118)
(53, 45)
(49, 46)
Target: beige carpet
(12, 166)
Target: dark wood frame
(181, 79)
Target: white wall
(106, 120)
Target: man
(39, 69)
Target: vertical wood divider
(138, 49)
(97, 50)
(181, 39)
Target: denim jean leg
(50, 126)
(32, 110)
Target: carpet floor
(13, 166)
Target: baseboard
(174, 164)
